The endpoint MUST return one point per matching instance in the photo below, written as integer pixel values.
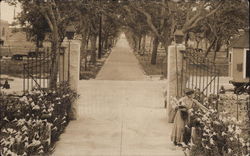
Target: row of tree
(49, 19)
(215, 20)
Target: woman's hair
(189, 92)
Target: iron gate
(200, 73)
(37, 69)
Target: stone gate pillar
(70, 69)
(174, 69)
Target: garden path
(122, 117)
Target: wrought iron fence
(199, 73)
(37, 70)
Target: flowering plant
(31, 123)
(218, 134)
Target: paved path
(119, 118)
(121, 64)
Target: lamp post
(178, 36)
(70, 32)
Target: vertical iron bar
(46, 69)
(218, 83)
(24, 77)
(58, 65)
(214, 81)
(191, 66)
(182, 75)
(31, 69)
(210, 79)
(188, 73)
(40, 75)
(203, 74)
(207, 64)
(196, 72)
(36, 68)
(199, 73)
(63, 64)
(28, 74)
(44, 62)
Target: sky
(7, 11)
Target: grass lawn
(159, 69)
(161, 66)
(12, 68)
(92, 69)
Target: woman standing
(182, 116)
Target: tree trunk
(154, 51)
(55, 58)
(210, 47)
(83, 51)
(139, 44)
(217, 47)
(93, 40)
(143, 44)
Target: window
(246, 66)
(3, 31)
(230, 57)
(239, 67)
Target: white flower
(24, 128)
(26, 144)
(6, 119)
(237, 130)
(23, 99)
(9, 152)
(211, 141)
(34, 143)
(20, 122)
(207, 147)
(241, 141)
(191, 144)
(230, 129)
(26, 139)
(36, 107)
(216, 122)
(229, 150)
(32, 104)
(223, 133)
(231, 138)
(4, 131)
(55, 128)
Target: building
(4, 31)
(239, 60)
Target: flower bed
(32, 123)
(220, 133)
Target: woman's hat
(189, 91)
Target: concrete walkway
(121, 64)
(119, 118)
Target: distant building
(4, 31)
(239, 59)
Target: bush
(32, 123)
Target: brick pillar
(173, 51)
(71, 70)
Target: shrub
(32, 123)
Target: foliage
(30, 124)
(218, 135)
(218, 132)
(220, 28)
